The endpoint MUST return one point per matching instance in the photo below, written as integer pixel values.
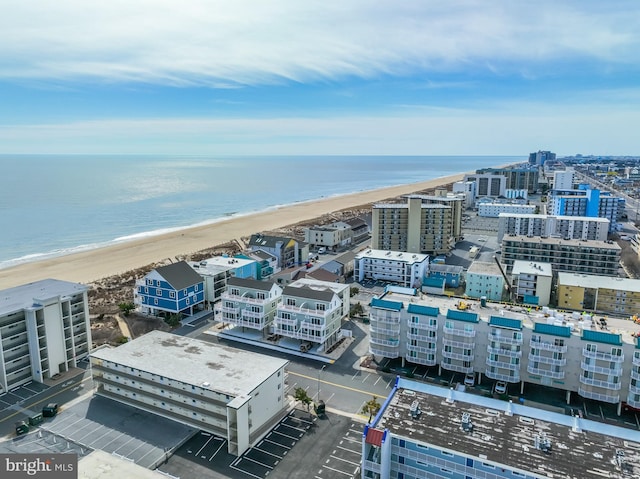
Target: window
(146, 290)
(184, 292)
(234, 292)
(172, 294)
(157, 282)
(261, 295)
(155, 301)
(291, 302)
(150, 282)
(158, 292)
(320, 307)
(187, 301)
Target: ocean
(52, 205)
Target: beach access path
(92, 265)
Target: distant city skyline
(318, 78)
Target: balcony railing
(306, 311)
(634, 389)
(247, 323)
(286, 321)
(502, 377)
(632, 402)
(425, 326)
(422, 337)
(503, 365)
(371, 466)
(421, 349)
(547, 346)
(585, 393)
(230, 309)
(467, 333)
(636, 360)
(244, 299)
(504, 339)
(384, 352)
(425, 361)
(247, 313)
(458, 356)
(384, 342)
(600, 370)
(384, 331)
(547, 360)
(504, 352)
(458, 344)
(546, 372)
(457, 367)
(635, 374)
(603, 356)
(384, 318)
(601, 384)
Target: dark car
(50, 410)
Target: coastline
(99, 263)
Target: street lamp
(321, 369)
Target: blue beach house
(175, 288)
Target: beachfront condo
(288, 251)
(404, 269)
(312, 311)
(237, 395)
(250, 304)
(44, 331)
(334, 236)
(218, 270)
(413, 227)
(546, 226)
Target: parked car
(501, 387)
(50, 410)
(470, 379)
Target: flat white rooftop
(227, 370)
(604, 282)
(482, 267)
(557, 217)
(318, 284)
(219, 264)
(28, 295)
(532, 267)
(102, 465)
(392, 256)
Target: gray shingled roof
(309, 293)
(250, 283)
(179, 275)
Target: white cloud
(225, 43)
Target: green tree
(371, 407)
(357, 309)
(354, 290)
(173, 319)
(126, 308)
(301, 396)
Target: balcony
(306, 311)
(456, 367)
(384, 318)
(230, 310)
(467, 333)
(601, 384)
(502, 377)
(425, 361)
(634, 389)
(636, 359)
(504, 339)
(421, 349)
(547, 346)
(286, 321)
(246, 323)
(247, 313)
(458, 356)
(458, 344)
(423, 326)
(635, 374)
(546, 372)
(371, 466)
(385, 342)
(504, 352)
(600, 370)
(244, 299)
(547, 360)
(390, 353)
(503, 365)
(633, 403)
(603, 356)
(384, 331)
(422, 337)
(598, 397)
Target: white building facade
(531, 282)
(249, 303)
(44, 331)
(406, 269)
(484, 279)
(234, 394)
(569, 227)
(493, 210)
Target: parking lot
(100, 423)
(205, 453)
(23, 393)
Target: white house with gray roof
(234, 394)
(311, 312)
(250, 303)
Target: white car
(501, 387)
(470, 379)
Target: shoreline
(95, 264)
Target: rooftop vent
(542, 442)
(467, 425)
(415, 409)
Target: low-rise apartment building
(495, 209)
(405, 269)
(571, 353)
(425, 431)
(288, 251)
(565, 227)
(485, 279)
(312, 311)
(588, 257)
(250, 304)
(336, 235)
(216, 272)
(234, 394)
(44, 330)
(531, 282)
(619, 296)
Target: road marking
(379, 378)
(204, 445)
(344, 460)
(367, 393)
(278, 444)
(365, 378)
(288, 437)
(338, 470)
(267, 452)
(349, 450)
(245, 472)
(218, 450)
(257, 462)
(355, 375)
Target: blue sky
(320, 77)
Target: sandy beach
(89, 266)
